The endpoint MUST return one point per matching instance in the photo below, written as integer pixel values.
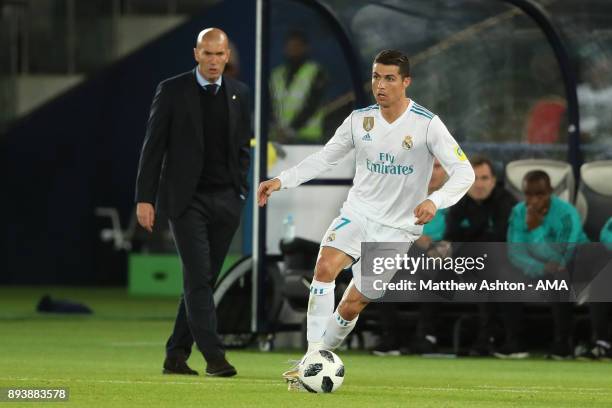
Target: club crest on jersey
(407, 143)
(331, 237)
(368, 123)
(459, 153)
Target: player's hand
(423, 242)
(265, 190)
(146, 215)
(552, 268)
(534, 218)
(424, 212)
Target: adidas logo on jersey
(366, 138)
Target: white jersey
(393, 164)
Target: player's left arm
(460, 173)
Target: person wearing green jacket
(605, 237)
(297, 89)
(600, 347)
(553, 228)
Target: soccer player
(394, 143)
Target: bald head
(211, 34)
(211, 53)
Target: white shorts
(350, 229)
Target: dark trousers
(600, 322)
(513, 319)
(508, 313)
(202, 234)
(426, 325)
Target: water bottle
(288, 229)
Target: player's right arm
(151, 157)
(313, 165)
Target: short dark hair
(479, 160)
(537, 175)
(394, 57)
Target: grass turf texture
(113, 359)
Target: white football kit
(394, 162)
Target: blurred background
(512, 80)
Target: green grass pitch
(113, 359)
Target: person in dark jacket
(482, 216)
(193, 168)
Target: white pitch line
(547, 387)
(195, 382)
(279, 383)
(134, 344)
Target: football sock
(336, 330)
(320, 308)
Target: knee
(325, 271)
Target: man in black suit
(193, 167)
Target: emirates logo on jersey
(368, 123)
(407, 143)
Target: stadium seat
(560, 174)
(594, 199)
(544, 121)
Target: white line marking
(272, 383)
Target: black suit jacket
(172, 155)
(487, 221)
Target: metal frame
(543, 20)
(261, 131)
(262, 71)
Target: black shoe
(483, 347)
(425, 345)
(385, 349)
(600, 350)
(511, 351)
(220, 368)
(174, 365)
(583, 351)
(561, 351)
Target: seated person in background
(605, 237)
(601, 346)
(393, 336)
(481, 216)
(545, 219)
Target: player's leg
(340, 246)
(321, 299)
(344, 318)
(320, 304)
(353, 301)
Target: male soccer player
(394, 142)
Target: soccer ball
(321, 371)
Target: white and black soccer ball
(321, 371)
